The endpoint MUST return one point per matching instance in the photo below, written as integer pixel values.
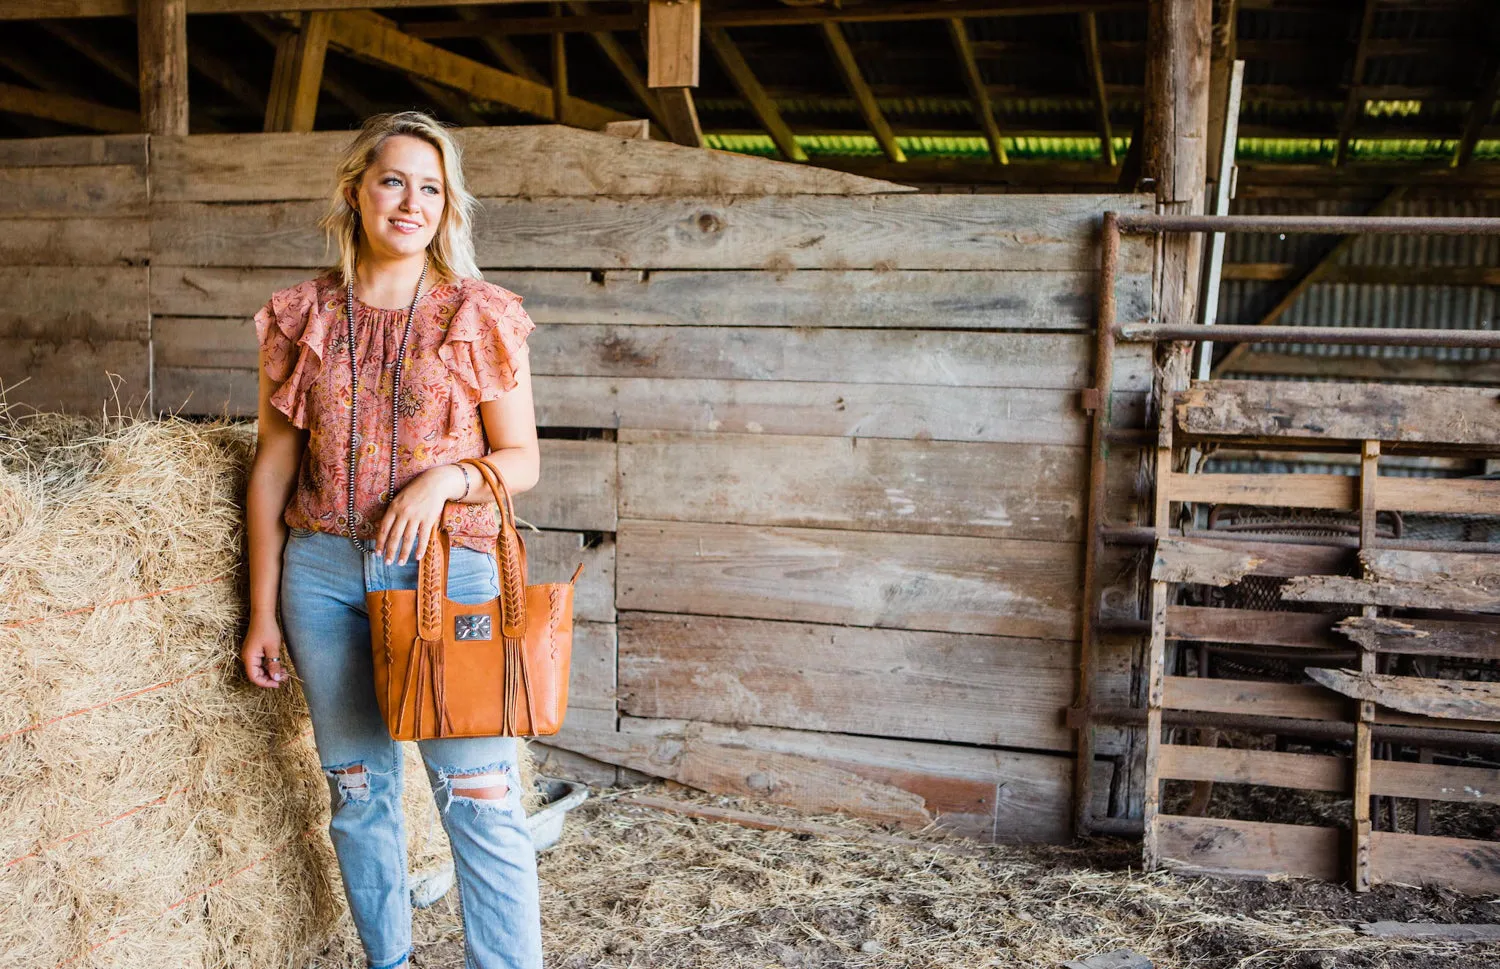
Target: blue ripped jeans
(327, 629)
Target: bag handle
(510, 555)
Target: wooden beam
(1354, 103)
(1090, 28)
(854, 80)
(1443, 699)
(298, 75)
(1385, 207)
(750, 89)
(15, 99)
(672, 43)
(378, 41)
(774, 16)
(979, 95)
(681, 114)
(161, 32)
(624, 65)
(218, 71)
(508, 54)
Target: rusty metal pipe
(1141, 535)
(1316, 224)
(1104, 371)
(1334, 335)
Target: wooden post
(297, 75)
(1175, 155)
(161, 32)
(1369, 470)
(672, 28)
(1156, 652)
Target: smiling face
(401, 197)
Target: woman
(322, 532)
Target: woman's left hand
(410, 519)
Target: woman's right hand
(261, 655)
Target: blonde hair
(452, 248)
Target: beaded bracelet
(467, 483)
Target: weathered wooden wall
(818, 438)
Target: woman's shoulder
(308, 291)
(483, 291)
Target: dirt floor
(636, 887)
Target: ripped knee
(482, 785)
(486, 788)
(350, 783)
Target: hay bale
(155, 808)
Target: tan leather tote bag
(497, 668)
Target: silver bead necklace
(354, 407)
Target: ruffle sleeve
(483, 345)
(292, 333)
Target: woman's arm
(510, 430)
(273, 476)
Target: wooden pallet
(1387, 581)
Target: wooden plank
(73, 150)
(991, 795)
(1414, 859)
(935, 358)
(1445, 699)
(1388, 413)
(1427, 595)
(756, 406)
(1257, 627)
(916, 357)
(531, 161)
(1362, 826)
(1296, 700)
(1277, 559)
(1156, 644)
(1355, 101)
(74, 242)
(1179, 560)
(56, 303)
(937, 582)
(1267, 768)
(828, 298)
(825, 409)
(949, 232)
(67, 191)
(1429, 930)
(1404, 565)
(1277, 490)
(551, 556)
(1424, 637)
(1473, 496)
(591, 674)
(859, 88)
(577, 491)
(931, 686)
(1249, 848)
(1436, 782)
(75, 376)
(956, 488)
(32, 103)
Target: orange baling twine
(19, 623)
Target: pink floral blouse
(466, 339)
